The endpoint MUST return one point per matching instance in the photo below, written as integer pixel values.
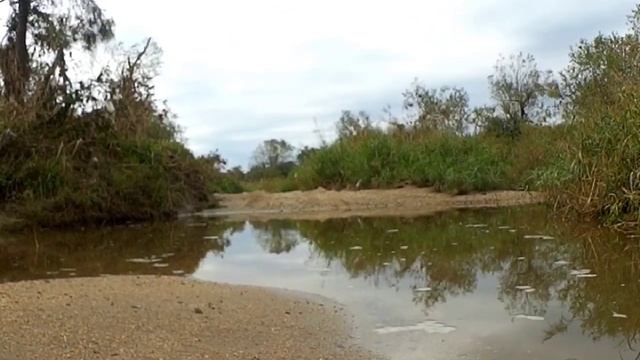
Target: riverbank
(323, 204)
(148, 317)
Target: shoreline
(169, 318)
(321, 204)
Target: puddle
(487, 284)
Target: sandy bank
(321, 204)
(165, 318)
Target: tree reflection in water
(276, 237)
(446, 255)
(94, 252)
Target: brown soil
(165, 318)
(321, 204)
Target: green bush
(447, 162)
(602, 85)
(225, 184)
(81, 170)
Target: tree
(351, 124)
(236, 172)
(522, 92)
(272, 153)
(39, 38)
(128, 93)
(601, 81)
(600, 95)
(304, 153)
(485, 118)
(214, 160)
(445, 109)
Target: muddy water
(482, 284)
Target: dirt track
(166, 318)
(321, 204)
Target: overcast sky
(238, 72)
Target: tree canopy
(353, 124)
(521, 92)
(444, 109)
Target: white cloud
(237, 72)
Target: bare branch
(131, 68)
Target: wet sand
(149, 317)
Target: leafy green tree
(485, 118)
(304, 153)
(444, 109)
(214, 160)
(351, 124)
(522, 93)
(272, 153)
(601, 88)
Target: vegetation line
(574, 135)
(101, 148)
(88, 150)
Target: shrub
(444, 161)
(82, 170)
(602, 84)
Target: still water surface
(483, 284)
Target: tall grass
(80, 169)
(68, 159)
(602, 85)
(447, 162)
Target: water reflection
(50, 254)
(448, 257)
(538, 266)
(489, 274)
(276, 237)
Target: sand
(149, 317)
(323, 204)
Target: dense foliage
(601, 92)
(87, 150)
(103, 149)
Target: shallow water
(482, 284)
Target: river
(512, 283)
